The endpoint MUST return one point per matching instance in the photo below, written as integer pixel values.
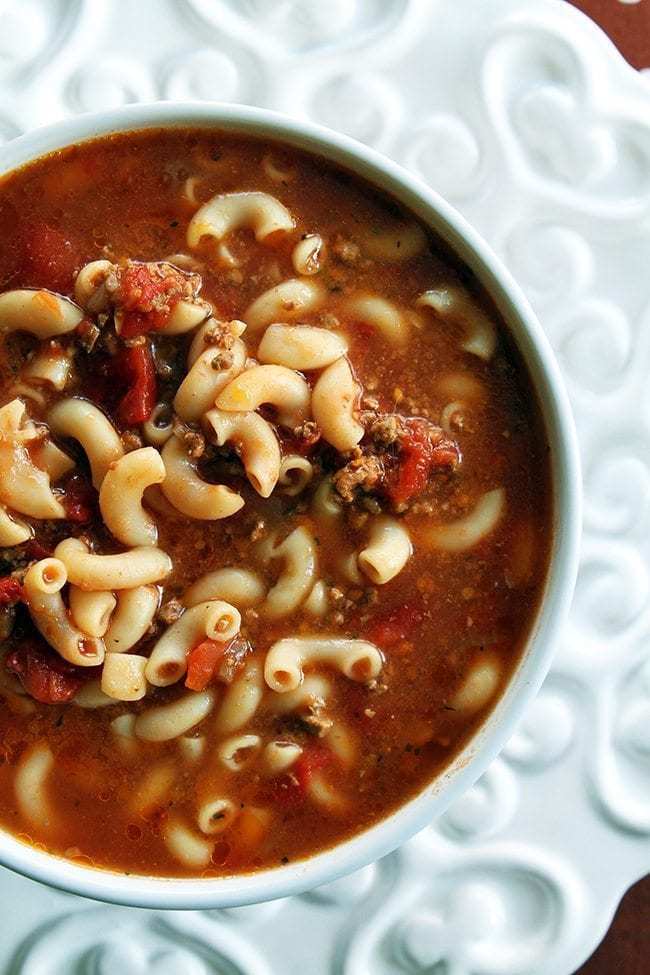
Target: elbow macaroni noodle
(41, 313)
(189, 493)
(334, 402)
(214, 620)
(357, 659)
(120, 496)
(300, 346)
(280, 387)
(226, 212)
(254, 441)
(86, 423)
(288, 301)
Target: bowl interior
(543, 370)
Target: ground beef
(363, 473)
(170, 611)
(383, 428)
(346, 250)
(192, 440)
(154, 286)
(234, 657)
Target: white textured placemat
(524, 116)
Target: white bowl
(155, 892)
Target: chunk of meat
(192, 440)
(45, 676)
(383, 428)
(365, 472)
(423, 449)
(234, 657)
(146, 294)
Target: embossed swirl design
(538, 132)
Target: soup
(275, 504)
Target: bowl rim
(383, 837)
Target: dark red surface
(626, 947)
(628, 25)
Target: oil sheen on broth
(275, 504)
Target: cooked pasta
(30, 785)
(133, 615)
(86, 423)
(383, 316)
(226, 212)
(255, 442)
(126, 570)
(276, 385)
(300, 346)
(283, 669)
(241, 700)
(50, 366)
(24, 486)
(297, 553)
(42, 590)
(334, 402)
(189, 493)
(397, 244)
(239, 751)
(120, 496)
(241, 587)
(214, 620)
(123, 676)
(91, 611)
(455, 303)
(42, 313)
(468, 531)
(308, 254)
(173, 720)
(209, 374)
(388, 550)
(288, 301)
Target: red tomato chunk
(45, 676)
(79, 500)
(399, 624)
(49, 257)
(137, 365)
(148, 298)
(420, 454)
(10, 590)
(202, 664)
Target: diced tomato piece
(137, 366)
(313, 759)
(79, 499)
(147, 298)
(36, 550)
(10, 590)
(49, 257)
(202, 664)
(290, 788)
(398, 624)
(419, 455)
(45, 676)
